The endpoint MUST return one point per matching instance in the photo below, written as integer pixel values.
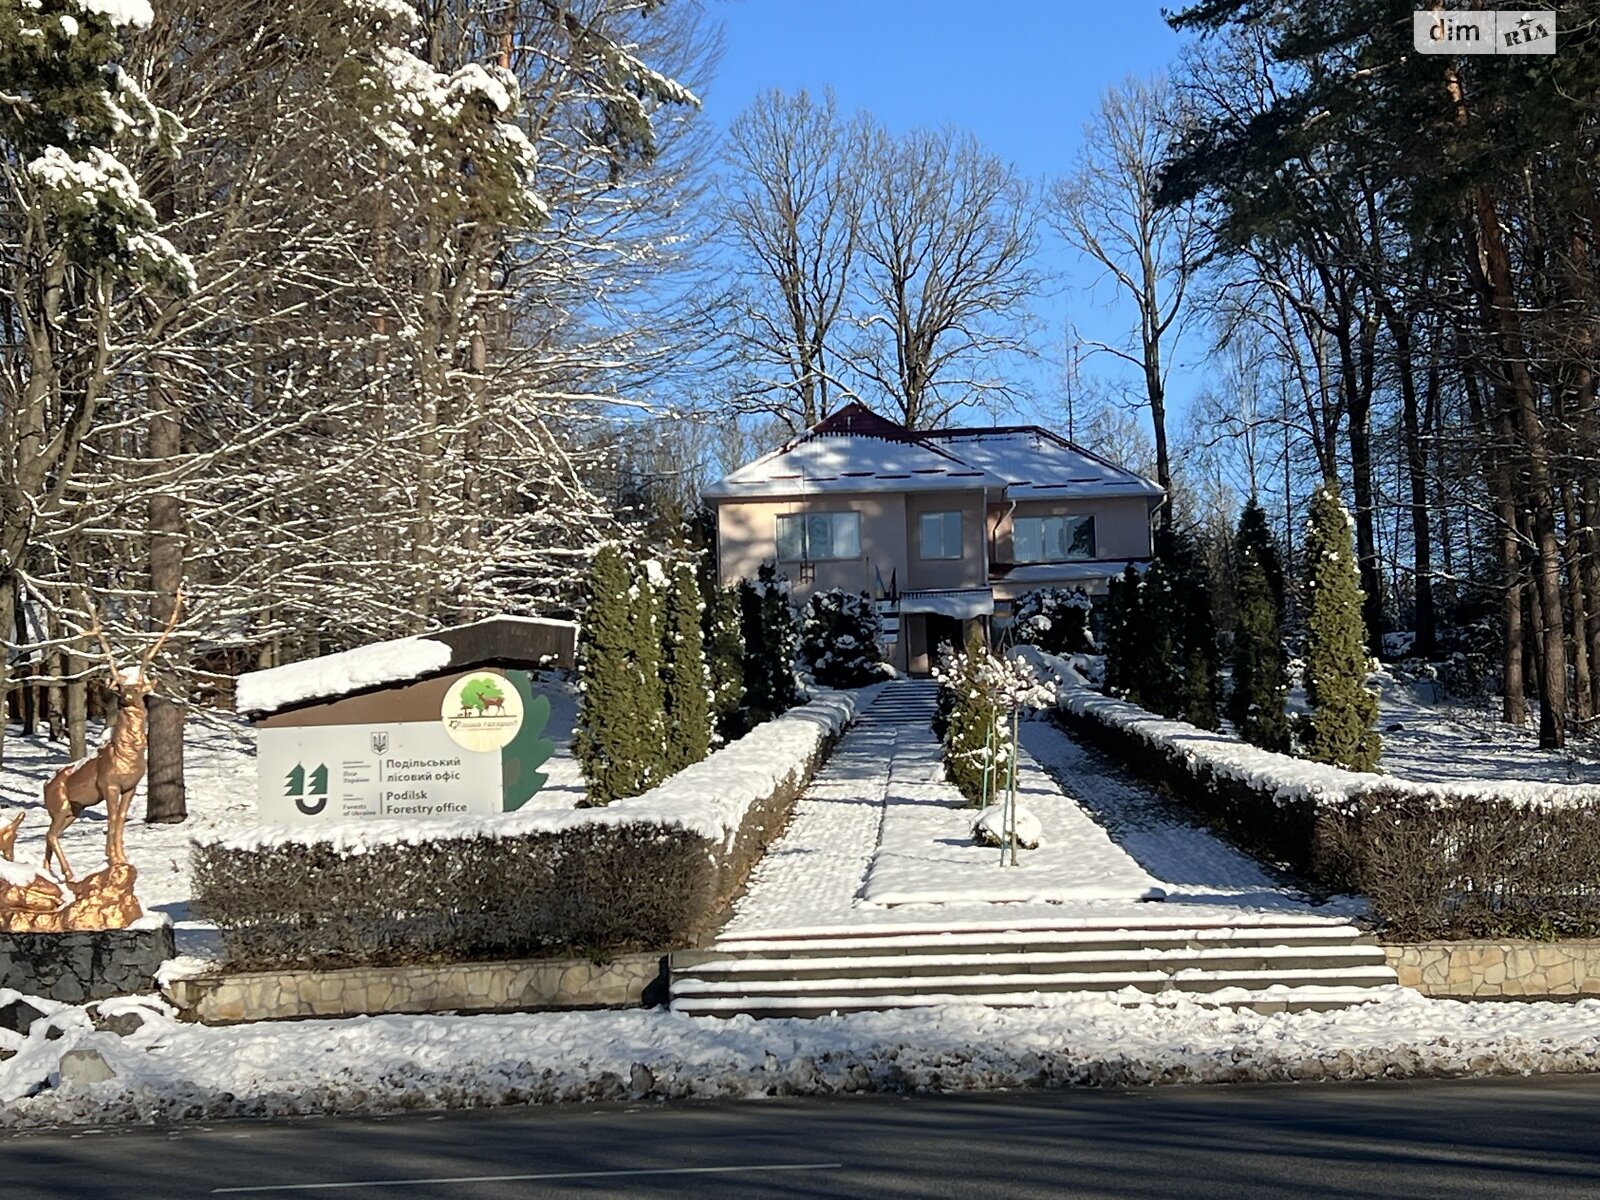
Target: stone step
(1273, 999)
(913, 968)
(1041, 941)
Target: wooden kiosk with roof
(438, 725)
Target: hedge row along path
(879, 825)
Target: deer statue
(8, 836)
(112, 773)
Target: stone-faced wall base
(627, 981)
(1495, 970)
(77, 967)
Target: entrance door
(942, 632)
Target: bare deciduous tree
(792, 213)
(1107, 210)
(948, 237)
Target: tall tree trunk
(166, 797)
(1417, 476)
(1503, 324)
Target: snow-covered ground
(879, 839)
(1432, 741)
(219, 769)
(167, 1070)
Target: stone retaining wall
(626, 981)
(1491, 970)
(81, 966)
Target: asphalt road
(1515, 1138)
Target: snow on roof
(402, 660)
(950, 602)
(1036, 464)
(851, 463)
(342, 674)
(855, 450)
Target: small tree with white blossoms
(839, 639)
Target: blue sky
(1023, 75)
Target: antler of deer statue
(112, 773)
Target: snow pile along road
(164, 1070)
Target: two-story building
(946, 526)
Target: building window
(1053, 539)
(807, 536)
(941, 535)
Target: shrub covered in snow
(1054, 619)
(650, 872)
(839, 639)
(1435, 860)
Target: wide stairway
(1284, 966)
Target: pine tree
(647, 610)
(767, 623)
(724, 645)
(974, 737)
(1198, 693)
(608, 742)
(1342, 725)
(1125, 626)
(839, 639)
(1260, 672)
(1155, 642)
(687, 686)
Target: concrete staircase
(1276, 965)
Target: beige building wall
(972, 568)
(1121, 524)
(747, 536)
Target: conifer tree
(1198, 694)
(610, 742)
(647, 609)
(1342, 726)
(724, 645)
(769, 646)
(839, 639)
(1125, 622)
(1260, 675)
(1154, 642)
(687, 685)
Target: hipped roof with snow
(856, 450)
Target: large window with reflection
(815, 536)
(1053, 539)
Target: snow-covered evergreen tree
(1054, 619)
(687, 684)
(1342, 726)
(768, 625)
(725, 661)
(1260, 668)
(839, 639)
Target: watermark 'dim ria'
(1495, 31)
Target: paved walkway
(881, 839)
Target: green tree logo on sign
(481, 696)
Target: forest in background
(356, 318)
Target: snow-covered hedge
(1435, 859)
(647, 873)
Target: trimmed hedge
(1435, 860)
(594, 883)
